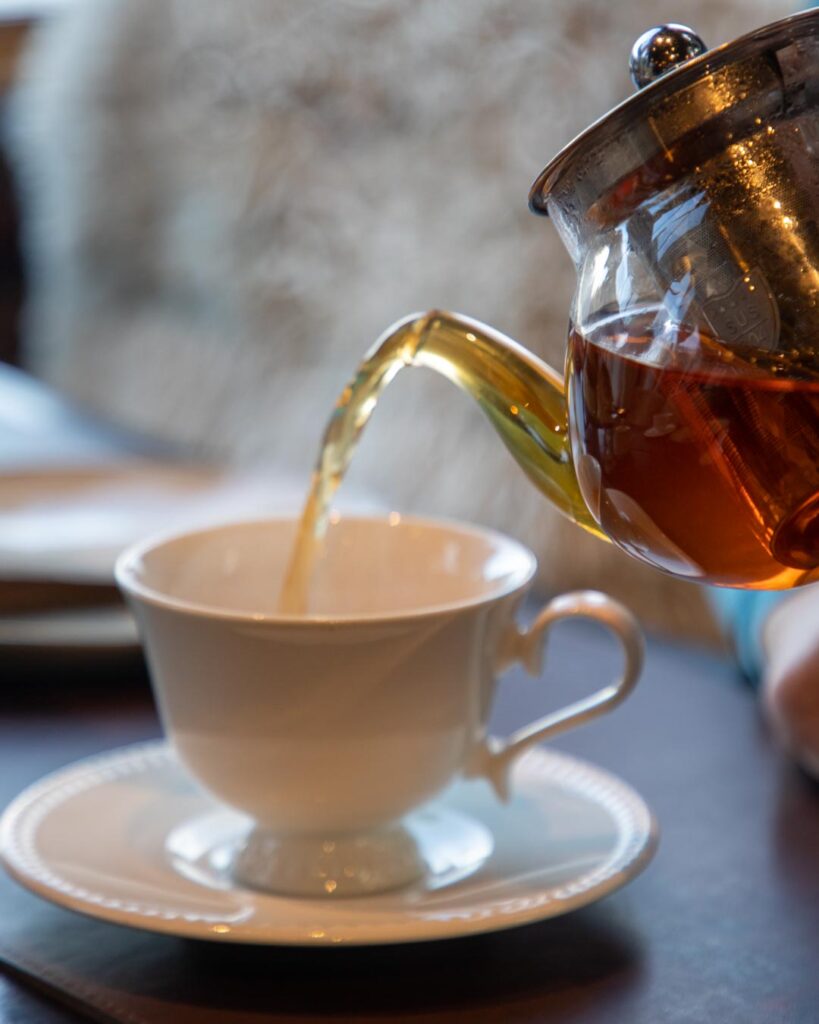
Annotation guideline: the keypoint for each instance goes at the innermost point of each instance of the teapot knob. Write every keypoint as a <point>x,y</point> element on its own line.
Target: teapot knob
<point>660,49</point>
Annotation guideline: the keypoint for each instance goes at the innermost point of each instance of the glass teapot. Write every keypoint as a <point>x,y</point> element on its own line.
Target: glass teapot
<point>686,426</point>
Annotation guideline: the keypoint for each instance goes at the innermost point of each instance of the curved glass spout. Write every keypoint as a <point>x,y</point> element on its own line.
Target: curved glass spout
<point>523,398</point>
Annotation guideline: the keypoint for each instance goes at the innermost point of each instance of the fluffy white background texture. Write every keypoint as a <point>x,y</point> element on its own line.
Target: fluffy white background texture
<point>228,202</point>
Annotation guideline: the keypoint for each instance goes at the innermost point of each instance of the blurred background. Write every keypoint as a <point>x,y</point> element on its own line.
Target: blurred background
<point>209,210</point>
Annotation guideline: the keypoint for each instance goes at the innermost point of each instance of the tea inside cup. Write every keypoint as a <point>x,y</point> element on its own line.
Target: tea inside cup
<point>370,567</point>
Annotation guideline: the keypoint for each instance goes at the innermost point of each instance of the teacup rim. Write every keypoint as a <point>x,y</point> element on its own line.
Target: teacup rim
<point>131,586</point>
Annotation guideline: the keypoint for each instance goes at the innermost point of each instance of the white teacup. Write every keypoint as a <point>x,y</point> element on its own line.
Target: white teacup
<point>326,729</point>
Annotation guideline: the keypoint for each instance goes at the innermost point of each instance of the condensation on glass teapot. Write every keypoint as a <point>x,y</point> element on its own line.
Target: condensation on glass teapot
<point>707,180</point>
<point>692,214</point>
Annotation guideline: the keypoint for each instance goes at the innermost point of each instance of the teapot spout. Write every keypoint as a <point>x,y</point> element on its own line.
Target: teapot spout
<point>522,396</point>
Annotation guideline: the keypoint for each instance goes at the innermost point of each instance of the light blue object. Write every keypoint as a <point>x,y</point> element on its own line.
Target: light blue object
<point>742,613</point>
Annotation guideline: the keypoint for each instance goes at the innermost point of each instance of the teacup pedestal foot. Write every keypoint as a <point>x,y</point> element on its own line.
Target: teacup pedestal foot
<point>341,866</point>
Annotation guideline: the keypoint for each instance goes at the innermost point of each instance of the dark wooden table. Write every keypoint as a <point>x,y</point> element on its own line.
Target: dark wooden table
<point>722,927</point>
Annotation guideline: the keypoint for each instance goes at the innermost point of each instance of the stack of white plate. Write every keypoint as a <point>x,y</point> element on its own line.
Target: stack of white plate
<point>61,531</point>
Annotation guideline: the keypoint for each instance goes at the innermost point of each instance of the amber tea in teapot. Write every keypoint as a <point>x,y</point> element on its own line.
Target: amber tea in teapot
<point>686,426</point>
<point>705,464</point>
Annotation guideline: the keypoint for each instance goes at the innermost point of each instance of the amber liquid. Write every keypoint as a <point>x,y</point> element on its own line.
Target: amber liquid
<point>700,459</point>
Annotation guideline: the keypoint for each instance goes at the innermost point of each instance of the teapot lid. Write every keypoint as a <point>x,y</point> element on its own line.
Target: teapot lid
<point>691,102</point>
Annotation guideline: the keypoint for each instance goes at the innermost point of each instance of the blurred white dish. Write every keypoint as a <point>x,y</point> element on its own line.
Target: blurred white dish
<point>94,631</point>
<point>70,524</point>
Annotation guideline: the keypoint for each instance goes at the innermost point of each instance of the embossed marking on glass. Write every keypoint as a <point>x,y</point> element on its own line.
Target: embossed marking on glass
<point>687,428</point>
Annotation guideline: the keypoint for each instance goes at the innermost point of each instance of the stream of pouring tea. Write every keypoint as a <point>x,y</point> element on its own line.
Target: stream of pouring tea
<point>353,409</point>
<point>506,381</point>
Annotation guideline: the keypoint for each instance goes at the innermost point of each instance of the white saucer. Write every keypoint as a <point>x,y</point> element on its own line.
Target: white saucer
<point>128,838</point>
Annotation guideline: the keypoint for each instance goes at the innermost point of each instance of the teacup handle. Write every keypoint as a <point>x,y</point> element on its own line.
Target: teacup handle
<point>494,758</point>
